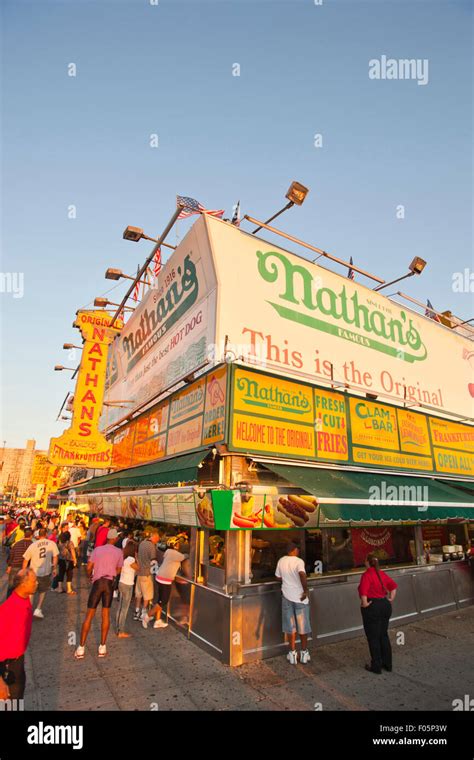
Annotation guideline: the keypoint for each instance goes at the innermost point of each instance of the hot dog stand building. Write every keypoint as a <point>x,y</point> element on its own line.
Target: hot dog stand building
<point>269,399</point>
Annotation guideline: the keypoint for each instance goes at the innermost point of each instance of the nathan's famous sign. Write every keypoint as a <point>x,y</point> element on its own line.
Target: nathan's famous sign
<point>281,311</point>
<point>295,420</point>
<point>170,334</point>
<point>82,443</point>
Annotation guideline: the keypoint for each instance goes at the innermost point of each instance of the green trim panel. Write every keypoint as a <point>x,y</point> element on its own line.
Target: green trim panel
<point>423,496</point>
<point>182,469</point>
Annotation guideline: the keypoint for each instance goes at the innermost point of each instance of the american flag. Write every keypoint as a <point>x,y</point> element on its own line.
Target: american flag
<point>136,291</point>
<point>429,311</point>
<point>236,215</point>
<point>157,263</point>
<point>192,206</point>
<point>350,272</point>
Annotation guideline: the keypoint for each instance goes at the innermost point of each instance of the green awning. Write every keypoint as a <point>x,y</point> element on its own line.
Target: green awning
<point>364,496</point>
<point>169,472</point>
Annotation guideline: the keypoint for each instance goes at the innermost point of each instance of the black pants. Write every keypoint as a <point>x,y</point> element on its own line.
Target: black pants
<point>66,567</point>
<point>376,618</point>
<point>13,672</point>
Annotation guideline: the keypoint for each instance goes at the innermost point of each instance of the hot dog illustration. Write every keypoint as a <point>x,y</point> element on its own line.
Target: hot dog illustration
<point>297,514</point>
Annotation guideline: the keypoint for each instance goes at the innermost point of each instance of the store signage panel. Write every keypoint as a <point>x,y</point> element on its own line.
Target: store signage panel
<point>413,432</point>
<point>215,407</point>
<point>82,443</point>
<point>234,510</point>
<point>351,430</point>
<point>193,417</point>
<point>331,425</point>
<point>449,435</point>
<point>170,334</point>
<point>305,321</point>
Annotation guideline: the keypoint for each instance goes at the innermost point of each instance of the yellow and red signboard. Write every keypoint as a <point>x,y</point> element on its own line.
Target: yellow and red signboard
<point>82,443</point>
<point>190,418</point>
<point>284,419</point>
<point>331,425</point>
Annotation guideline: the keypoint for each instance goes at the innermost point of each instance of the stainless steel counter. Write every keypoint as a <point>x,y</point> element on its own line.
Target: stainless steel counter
<point>246,625</point>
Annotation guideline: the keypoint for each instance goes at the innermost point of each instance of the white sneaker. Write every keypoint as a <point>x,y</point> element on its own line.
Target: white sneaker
<point>143,613</point>
<point>145,620</point>
<point>304,656</point>
<point>102,650</point>
<point>115,594</point>
<point>292,657</point>
<point>38,614</point>
<point>79,653</point>
<point>160,624</point>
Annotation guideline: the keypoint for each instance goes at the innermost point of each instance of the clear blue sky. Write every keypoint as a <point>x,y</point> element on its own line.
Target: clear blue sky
<point>167,69</point>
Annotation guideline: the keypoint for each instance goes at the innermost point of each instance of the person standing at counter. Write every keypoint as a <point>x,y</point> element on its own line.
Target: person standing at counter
<point>167,572</point>
<point>377,592</point>
<point>290,571</point>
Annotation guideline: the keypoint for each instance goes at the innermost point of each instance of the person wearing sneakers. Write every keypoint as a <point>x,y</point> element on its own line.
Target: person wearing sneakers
<point>144,585</point>
<point>42,557</point>
<point>290,571</point>
<point>105,563</point>
<point>126,581</point>
<point>168,569</point>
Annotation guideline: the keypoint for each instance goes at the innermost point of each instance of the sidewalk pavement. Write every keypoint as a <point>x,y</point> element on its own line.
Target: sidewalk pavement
<point>162,670</point>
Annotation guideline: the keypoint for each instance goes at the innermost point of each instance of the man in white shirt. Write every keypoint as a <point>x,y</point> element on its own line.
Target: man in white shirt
<point>42,556</point>
<point>290,571</point>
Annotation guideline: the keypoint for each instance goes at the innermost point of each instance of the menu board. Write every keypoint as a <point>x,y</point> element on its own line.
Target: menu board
<point>330,412</point>
<point>186,509</point>
<point>297,421</point>
<point>189,419</point>
<point>453,447</point>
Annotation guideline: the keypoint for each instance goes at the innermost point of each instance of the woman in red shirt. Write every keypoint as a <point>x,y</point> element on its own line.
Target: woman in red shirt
<point>377,591</point>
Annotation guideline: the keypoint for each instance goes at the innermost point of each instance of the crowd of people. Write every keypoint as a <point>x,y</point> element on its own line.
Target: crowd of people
<point>125,561</point>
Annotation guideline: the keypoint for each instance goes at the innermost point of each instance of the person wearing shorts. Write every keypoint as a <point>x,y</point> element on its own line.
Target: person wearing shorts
<point>144,584</point>
<point>104,564</point>
<point>290,571</point>
<point>42,557</point>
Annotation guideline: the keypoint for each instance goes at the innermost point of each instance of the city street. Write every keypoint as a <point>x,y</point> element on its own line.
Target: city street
<point>162,670</point>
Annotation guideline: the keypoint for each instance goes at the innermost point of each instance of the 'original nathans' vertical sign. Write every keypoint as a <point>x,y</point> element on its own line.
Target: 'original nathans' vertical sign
<point>82,443</point>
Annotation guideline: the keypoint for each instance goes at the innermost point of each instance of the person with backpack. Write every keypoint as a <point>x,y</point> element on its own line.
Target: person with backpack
<point>377,592</point>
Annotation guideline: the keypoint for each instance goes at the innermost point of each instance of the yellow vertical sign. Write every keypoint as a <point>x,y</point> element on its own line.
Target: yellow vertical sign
<point>82,443</point>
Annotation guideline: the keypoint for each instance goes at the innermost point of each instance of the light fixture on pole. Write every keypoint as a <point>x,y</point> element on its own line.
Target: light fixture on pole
<point>59,367</point>
<point>136,233</point>
<point>68,346</point>
<point>296,194</point>
<point>116,274</point>
<point>102,303</point>
<point>416,267</point>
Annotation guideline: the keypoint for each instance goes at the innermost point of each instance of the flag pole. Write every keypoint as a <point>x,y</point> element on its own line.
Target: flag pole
<point>143,269</point>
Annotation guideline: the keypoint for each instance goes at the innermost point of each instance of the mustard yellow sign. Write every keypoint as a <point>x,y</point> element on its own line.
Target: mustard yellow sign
<point>82,443</point>
<point>455,462</point>
<point>390,459</point>
<point>451,435</point>
<point>413,430</point>
<point>374,424</point>
<point>272,397</point>
<point>330,411</point>
<point>250,433</point>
